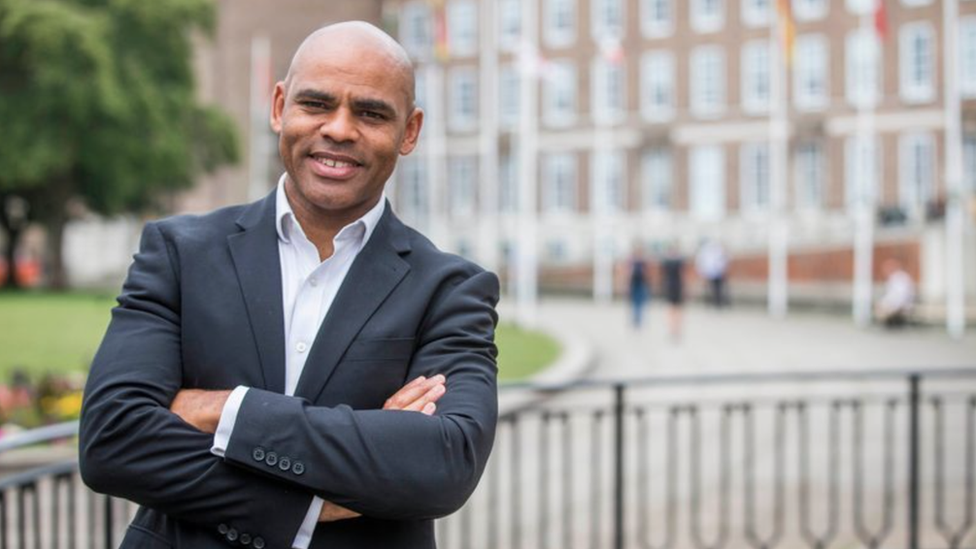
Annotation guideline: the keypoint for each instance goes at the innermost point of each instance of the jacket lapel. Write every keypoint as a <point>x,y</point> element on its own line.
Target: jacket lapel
<point>255,253</point>
<point>376,271</point>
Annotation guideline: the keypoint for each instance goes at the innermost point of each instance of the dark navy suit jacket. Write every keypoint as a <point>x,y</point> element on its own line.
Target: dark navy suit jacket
<point>202,308</point>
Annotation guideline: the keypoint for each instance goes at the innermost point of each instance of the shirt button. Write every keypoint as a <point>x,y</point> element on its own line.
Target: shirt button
<point>301,347</point>
<point>313,281</point>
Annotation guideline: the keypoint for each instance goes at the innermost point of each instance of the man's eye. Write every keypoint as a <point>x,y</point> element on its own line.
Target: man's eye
<point>374,115</point>
<point>314,104</point>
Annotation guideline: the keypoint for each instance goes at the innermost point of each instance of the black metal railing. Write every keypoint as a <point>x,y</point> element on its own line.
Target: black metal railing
<point>781,460</point>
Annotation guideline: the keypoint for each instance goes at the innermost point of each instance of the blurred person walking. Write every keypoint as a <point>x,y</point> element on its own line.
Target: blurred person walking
<point>640,289</point>
<point>712,265</point>
<point>898,299</point>
<point>672,287</point>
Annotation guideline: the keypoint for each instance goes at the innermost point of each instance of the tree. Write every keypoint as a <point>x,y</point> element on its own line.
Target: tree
<point>97,105</point>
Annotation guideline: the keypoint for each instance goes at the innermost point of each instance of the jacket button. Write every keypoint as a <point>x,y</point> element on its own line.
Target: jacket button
<point>284,463</point>
<point>271,459</point>
<point>232,535</point>
<point>258,454</point>
<point>258,543</point>
<point>298,468</point>
<point>223,529</point>
<point>245,539</point>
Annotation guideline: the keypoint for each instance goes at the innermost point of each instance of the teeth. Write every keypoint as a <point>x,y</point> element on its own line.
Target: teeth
<point>335,163</point>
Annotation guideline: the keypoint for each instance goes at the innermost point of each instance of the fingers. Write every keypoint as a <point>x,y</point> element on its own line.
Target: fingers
<point>415,395</point>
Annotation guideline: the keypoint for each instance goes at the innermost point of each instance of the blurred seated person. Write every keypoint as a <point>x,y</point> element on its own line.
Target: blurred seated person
<point>898,299</point>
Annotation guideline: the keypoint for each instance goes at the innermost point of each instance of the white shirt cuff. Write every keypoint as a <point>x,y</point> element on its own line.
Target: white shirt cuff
<point>304,536</point>
<point>228,417</point>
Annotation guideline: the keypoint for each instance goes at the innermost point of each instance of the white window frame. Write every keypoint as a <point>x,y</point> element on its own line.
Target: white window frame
<point>560,183</point>
<point>706,176</point>
<point>754,67</point>
<point>754,178</point>
<point>603,29</point>
<point>509,24</point>
<point>462,28</point>
<point>657,71</point>
<point>607,108</point>
<point>755,15</point>
<point>458,119</point>
<point>916,183</point>
<point>810,10</point>
<point>915,91</point>
<point>809,174</point>
<point>657,179</point>
<point>412,194</point>
<point>855,67</point>
<point>702,104</point>
<point>703,21</point>
<point>808,68</point>
<point>609,170</point>
<point>416,16</point>
<point>462,176</point>
<point>657,27</point>
<point>915,3</point>
<point>560,80</point>
<point>508,184</point>
<point>555,37</point>
<point>967,56</point>
<point>858,159</point>
<point>860,7</point>
<point>508,96</point>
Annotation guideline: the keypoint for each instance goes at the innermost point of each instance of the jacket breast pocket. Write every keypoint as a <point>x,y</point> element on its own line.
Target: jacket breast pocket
<point>393,349</point>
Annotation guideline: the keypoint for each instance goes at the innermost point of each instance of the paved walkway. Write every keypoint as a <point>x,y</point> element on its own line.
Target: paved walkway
<point>745,339</point>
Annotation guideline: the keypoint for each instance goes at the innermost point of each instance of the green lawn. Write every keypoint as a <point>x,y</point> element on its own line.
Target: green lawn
<point>45,332</point>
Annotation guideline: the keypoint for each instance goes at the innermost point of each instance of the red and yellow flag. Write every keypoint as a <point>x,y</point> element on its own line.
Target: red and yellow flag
<point>787,30</point>
<point>880,19</point>
<point>440,30</point>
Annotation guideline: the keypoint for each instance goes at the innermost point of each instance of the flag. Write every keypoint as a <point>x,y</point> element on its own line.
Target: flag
<point>787,30</point>
<point>440,31</point>
<point>880,19</point>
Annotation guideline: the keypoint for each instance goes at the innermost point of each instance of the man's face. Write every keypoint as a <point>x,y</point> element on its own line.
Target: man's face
<point>342,119</point>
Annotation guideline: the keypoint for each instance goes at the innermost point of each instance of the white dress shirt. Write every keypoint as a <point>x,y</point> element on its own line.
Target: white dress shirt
<point>308,288</point>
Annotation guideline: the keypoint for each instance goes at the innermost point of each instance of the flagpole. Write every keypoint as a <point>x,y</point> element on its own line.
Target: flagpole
<point>864,195</point>
<point>955,213</point>
<point>526,245</point>
<point>599,194</point>
<point>488,138</point>
<point>777,287</point>
<point>259,143</point>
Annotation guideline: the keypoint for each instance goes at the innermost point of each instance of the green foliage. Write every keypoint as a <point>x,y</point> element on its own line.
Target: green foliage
<point>522,353</point>
<point>98,96</point>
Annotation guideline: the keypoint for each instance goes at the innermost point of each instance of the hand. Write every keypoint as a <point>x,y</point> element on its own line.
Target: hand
<point>419,395</point>
<point>331,512</point>
<point>199,408</point>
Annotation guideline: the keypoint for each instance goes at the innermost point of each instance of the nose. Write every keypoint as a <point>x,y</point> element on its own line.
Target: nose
<point>340,126</point>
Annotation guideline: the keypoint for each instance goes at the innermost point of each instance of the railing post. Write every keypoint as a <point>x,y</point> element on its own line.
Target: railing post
<point>109,523</point>
<point>914,390</point>
<point>618,467</point>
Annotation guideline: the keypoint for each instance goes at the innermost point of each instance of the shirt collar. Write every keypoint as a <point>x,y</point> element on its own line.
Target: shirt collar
<point>286,222</point>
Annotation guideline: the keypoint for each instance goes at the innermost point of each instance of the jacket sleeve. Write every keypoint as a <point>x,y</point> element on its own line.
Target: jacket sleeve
<point>133,447</point>
<point>392,464</point>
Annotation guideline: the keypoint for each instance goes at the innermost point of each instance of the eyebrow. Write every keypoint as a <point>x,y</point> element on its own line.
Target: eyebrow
<point>366,104</point>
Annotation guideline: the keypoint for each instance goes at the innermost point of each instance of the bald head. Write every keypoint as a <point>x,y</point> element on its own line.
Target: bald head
<point>357,36</point>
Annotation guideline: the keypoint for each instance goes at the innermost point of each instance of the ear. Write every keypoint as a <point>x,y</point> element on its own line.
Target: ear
<point>277,106</point>
<point>412,132</point>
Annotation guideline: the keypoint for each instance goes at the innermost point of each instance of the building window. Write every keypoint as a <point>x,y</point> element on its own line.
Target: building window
<point>657,18</point>
<point>862,171</point>
<point>420,89</point>
<point>756,13</point>
<point>556,250</point>
<point>810,10</point>
<point>706,166</point>
<point>755,76</point>
<point>809,175</point>
<point>507,184</point>
<point>609,182</point>
<point>967,56</point>
<point>462,28</point>
<point>861,7</point>
<point>559,28</point>
<point>657,177</point>
<point>559,183</point>
<point>707,15</point>
<point>913,3</point>
<point>463,184</point>
<point>607,19</point>
<point>415,29</point>
<point>810,72</point>
<point>707,81</point>
<point>508,96</point>
<point>509,24</point>
<point>609,101</point>
<point>917,172</point>
<point>412,193</point>
<point>657,85</point>
<point>754,177</point>
<point>559,94</point>
<point>463,114</point>
<point>863,70</point>
<point>916,53</point>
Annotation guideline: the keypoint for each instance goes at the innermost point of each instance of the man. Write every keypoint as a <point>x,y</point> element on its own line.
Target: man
<point>895,306</point>
<point>304,371</point>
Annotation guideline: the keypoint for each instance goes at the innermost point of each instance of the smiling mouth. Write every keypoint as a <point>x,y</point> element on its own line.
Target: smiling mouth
<point>333,163</point>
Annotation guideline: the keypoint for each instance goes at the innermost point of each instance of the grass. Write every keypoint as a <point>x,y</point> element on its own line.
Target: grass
<point>58,333</point>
